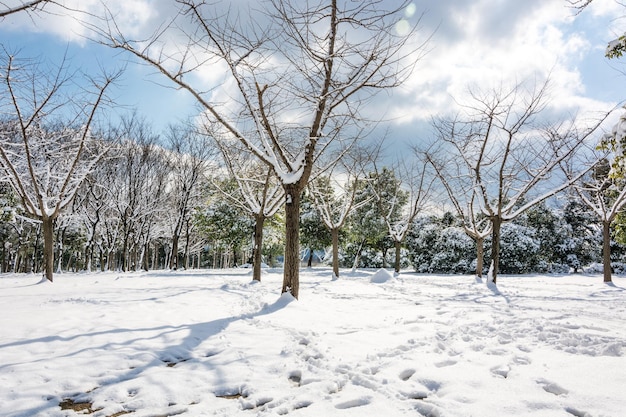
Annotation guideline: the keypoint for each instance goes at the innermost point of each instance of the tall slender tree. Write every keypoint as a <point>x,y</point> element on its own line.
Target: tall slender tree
<point>258,193</point>
<point>603,189</point>
<point>192,155</point>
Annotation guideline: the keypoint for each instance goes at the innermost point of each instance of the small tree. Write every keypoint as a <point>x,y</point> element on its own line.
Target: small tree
<point>46,160</point>
<point>334,195</point>
<point>603,190</point>
<point>258,193</point>
<point>380,201</point>
<point>192,155</point>
<point>412,192</point>
<point>463,195</point>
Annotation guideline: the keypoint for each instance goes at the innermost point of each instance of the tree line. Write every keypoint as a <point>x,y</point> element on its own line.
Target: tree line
<point>290,134</point>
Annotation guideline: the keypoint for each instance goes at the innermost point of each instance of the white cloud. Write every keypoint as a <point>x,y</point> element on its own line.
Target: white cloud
<point>67,22</point>
<point>488,43</point>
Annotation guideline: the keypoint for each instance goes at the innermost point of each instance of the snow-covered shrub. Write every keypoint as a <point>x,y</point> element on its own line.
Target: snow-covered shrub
<point>619,268</point>
<point>437,249</point>
<point>518,249</point>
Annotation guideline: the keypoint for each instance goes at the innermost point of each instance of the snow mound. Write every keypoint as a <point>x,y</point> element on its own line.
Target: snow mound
<point>283,301</point>
<point>381,276</point>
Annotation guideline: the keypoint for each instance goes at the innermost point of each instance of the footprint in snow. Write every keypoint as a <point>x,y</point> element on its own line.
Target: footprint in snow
<point>577,413</point>
<point>357,402</point>
<point>295,377</point>
<point>445,363</point>
<point>502,371</point>
<point>552,387</point>
<point>406,374</point>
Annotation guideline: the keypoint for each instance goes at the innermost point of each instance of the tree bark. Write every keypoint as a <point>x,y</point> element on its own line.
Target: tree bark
<point>146,257</point>
<point>257,251</point>
<point>291,277</point>
<point>174,253</point>
<point>496,222</point>
<point>334,232</point>
<point>606,250</point>
<point>480,255</point>
<point>357,257</point>
<point>47,225</point>
<point>398,245</point>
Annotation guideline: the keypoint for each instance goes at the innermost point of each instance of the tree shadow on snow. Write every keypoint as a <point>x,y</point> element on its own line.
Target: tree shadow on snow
<point>169,356</point>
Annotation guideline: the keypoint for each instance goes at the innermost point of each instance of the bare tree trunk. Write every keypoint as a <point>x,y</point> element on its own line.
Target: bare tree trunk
<point>291,278</point>
<point>186,251</point>
<point>384,251</point>
<point>480,255</point>
<point>334,232</point>
<point>102,265</point>
<point>257,251</point>
<point>309,262</point>
<point>357,257</point>
<point>606,250</point>
<point>47,225</point>
<point>398,245</point>
<point>146,257</point>
<point>496,222</point>
<point>174,253</point>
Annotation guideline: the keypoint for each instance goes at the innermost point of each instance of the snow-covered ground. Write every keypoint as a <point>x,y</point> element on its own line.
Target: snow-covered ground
<point>205,343</point>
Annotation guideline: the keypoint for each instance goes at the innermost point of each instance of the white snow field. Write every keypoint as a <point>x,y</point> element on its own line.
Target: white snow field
<point>213,343</point>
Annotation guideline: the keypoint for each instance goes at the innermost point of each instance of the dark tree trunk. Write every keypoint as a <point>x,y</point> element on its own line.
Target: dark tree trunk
<point>384,251</point>
<point>102,265</point>
<point>480,255</point>
<point>124,260</point>
<point>496,222</point>
<point>146,257</point>
<point>257,251</point>
<point>47,225</point>
<point>291,277</point>
<point>398,246</point>
<point>335,238</point>
<point>174,253</point>
<point>606,250</point>
<point>309,262</point>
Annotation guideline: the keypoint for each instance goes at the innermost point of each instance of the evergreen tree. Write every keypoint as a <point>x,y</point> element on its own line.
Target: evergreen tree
<point>378,197</point>
<point>314,234</point>
<point>225,224</point>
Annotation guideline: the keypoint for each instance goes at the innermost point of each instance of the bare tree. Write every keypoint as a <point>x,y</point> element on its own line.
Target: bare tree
<point>461,192</point>
<point>296,75</point>
<point>44,160</point>
<point>259,193</point>
<point>334,195</point>
<point>415,184</point>
<point>603,189</point>
<point>143,170</point>
<point>192,156</point>
<point>508,155</point>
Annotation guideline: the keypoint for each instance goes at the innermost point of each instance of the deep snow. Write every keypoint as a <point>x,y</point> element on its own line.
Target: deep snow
<point>205,343</point>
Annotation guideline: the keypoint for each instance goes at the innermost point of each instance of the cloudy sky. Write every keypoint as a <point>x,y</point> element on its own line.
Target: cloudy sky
<point>474,42</point>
